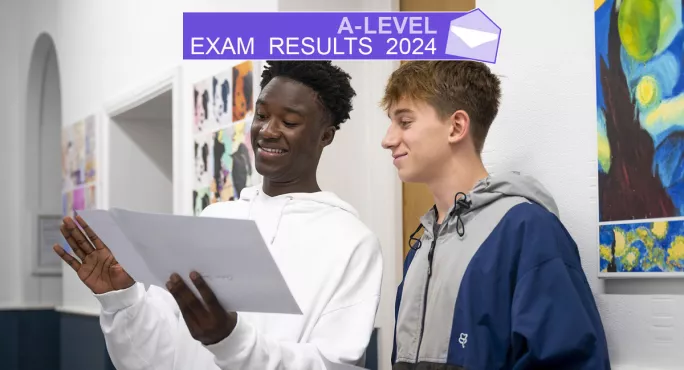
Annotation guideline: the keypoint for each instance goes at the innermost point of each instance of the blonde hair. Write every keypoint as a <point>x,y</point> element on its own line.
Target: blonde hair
<point>449,86</point>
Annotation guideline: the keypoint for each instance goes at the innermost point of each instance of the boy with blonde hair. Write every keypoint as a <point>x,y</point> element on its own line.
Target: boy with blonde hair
<point>495,281</point>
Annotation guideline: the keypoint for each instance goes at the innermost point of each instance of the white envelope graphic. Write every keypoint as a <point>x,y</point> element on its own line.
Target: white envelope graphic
<point>473,38</point>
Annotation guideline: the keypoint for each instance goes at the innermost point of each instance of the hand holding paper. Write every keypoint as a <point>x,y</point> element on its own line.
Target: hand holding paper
<point>101,273</point>
<point>230,255</point>
<point>208,324</point>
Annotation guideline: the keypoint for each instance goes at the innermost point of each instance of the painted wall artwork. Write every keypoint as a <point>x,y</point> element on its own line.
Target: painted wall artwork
<point>224,159</point>
<point>79,166</point>
<point>243,90</point>
<point>640,114</point>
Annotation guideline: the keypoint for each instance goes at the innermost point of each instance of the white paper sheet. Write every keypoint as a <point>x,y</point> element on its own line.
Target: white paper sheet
<point>230,254</point>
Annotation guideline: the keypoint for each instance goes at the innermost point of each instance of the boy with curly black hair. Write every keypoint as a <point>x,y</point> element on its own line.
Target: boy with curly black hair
<point>330,260</point>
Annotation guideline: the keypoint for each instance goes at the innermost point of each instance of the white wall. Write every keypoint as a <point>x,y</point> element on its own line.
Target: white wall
<point>12,92</point>
<point>547,127</point>
<point>49,140</point>
<point>21,199</point>
<point>138,156</point>
<point>140,165</point>
<point>45,290</point>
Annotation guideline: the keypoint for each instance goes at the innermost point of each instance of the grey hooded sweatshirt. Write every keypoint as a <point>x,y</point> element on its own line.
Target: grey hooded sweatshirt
<point>498,285</point>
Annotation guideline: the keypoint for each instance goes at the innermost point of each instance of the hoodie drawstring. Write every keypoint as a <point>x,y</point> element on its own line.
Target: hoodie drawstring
<point>415,243</point>
<point>280,214</point>
<point>280,217</point>
<point>462,205</point>
<point>251,203</point>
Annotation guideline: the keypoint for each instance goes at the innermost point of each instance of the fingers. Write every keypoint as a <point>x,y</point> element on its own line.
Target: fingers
<point>81,243</point>
<point>66,257</point>
<point>97,242</point>
<point>190,306</point>
<point>72,242</point>
<point>207,294</point>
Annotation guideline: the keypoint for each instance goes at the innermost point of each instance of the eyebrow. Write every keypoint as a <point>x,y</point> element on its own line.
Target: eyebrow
<point>289,109</point>
<point>399,111</point>
<point>293,111</point>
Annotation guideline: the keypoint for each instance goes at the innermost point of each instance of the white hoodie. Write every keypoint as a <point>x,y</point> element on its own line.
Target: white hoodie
<point>332,263</point>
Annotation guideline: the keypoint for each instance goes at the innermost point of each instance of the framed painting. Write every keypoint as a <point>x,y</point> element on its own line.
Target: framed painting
<point>640,115</point>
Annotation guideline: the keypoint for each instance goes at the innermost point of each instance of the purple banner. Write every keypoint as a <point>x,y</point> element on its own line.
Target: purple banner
<point>341,36</point>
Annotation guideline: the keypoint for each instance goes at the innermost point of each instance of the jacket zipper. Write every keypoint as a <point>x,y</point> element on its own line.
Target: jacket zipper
<point>431,255</point>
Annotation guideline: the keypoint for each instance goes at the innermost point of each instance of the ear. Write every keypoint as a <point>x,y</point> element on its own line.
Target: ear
<point>328,135</point>
<point>459,126</point>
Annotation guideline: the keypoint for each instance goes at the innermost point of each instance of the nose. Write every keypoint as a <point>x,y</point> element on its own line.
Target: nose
<point>391,139</point>
<point>269,130</point>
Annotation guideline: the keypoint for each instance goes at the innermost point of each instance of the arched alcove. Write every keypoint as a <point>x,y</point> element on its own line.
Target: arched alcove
<point>42,172</point>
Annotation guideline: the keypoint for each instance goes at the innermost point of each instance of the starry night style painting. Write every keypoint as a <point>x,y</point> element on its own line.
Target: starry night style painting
<point>640,114</point>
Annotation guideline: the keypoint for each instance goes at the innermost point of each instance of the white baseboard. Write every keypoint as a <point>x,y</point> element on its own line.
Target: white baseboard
<point>637,367</point>
<point>85,311</point>
<point>24,307</point>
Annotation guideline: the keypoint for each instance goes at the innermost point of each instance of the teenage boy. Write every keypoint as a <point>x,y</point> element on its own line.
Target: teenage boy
<point>331,261</point>
<point>495,281</point>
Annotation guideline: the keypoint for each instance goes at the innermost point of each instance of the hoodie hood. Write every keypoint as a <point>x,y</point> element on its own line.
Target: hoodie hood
<point>273,209</point>
<point>511,184</point>
<point>321,198</point>
<point>486,192</point>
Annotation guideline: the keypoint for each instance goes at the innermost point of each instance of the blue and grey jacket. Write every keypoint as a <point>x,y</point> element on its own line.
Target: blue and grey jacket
<point>498,285</point>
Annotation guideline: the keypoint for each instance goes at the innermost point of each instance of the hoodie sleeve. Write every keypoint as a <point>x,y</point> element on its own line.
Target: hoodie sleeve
<point>555,320</point>
<point>341,334</point>
<point>143,329</point>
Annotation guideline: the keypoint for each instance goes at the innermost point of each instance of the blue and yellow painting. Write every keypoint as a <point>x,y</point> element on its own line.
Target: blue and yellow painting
<point>640,114</point>
<point>642,247</point>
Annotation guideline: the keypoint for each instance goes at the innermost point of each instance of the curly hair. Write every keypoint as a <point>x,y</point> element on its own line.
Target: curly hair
<point>331,84</point>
